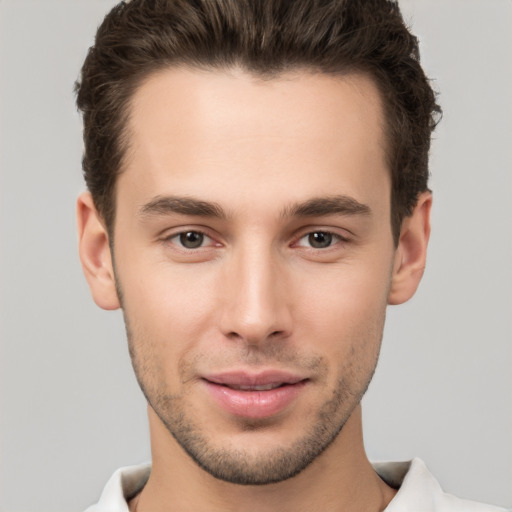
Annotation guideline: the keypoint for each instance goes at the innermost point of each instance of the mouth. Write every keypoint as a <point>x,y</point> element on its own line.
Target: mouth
<point>255,395</point>
<point>263,387</point>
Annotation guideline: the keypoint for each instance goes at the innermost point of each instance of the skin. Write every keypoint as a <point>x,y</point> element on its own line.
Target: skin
<point>258,292</point>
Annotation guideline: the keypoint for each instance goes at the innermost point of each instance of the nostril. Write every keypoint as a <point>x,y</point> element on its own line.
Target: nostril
<point>236,336</point>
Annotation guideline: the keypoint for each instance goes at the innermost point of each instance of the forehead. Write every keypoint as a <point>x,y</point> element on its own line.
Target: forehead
<point>191,130</point>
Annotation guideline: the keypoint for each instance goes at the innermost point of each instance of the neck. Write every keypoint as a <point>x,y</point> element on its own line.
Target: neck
<point>339,479</point>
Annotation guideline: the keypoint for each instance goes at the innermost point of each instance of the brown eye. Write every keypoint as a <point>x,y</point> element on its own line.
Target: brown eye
<point>320,239</point>
<point>191,239</point>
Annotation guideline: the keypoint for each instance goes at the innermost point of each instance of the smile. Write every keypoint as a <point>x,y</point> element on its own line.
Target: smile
<point>264,387</point>
<point>254,396</point>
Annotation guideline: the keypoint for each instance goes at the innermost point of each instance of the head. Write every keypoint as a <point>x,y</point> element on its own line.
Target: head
<point>258,179</point>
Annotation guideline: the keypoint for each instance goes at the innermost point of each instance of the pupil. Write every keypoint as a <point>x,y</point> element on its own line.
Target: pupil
<point>320,240</point>
<point>191,239</point>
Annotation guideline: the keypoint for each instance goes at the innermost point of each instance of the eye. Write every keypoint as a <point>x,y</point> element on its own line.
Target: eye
<point>191,239</point>
<point>319,240</point>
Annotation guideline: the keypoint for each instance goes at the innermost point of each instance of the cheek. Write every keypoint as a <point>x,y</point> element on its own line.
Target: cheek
<point>166,293</point>
<point>344,310</point>
<point>165,311</point>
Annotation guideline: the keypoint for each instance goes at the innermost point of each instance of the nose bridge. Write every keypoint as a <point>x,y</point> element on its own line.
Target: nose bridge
<point>256,307</point>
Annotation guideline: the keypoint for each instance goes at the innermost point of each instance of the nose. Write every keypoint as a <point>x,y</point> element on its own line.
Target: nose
<point>256,297</point>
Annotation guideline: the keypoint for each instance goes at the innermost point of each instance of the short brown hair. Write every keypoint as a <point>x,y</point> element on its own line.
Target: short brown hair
<point>264,37</point>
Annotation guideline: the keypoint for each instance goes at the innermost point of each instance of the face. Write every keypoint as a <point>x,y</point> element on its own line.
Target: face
<point>253,255</point>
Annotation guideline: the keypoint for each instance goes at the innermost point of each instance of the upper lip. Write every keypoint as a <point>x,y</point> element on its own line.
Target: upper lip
<point>262,378</point>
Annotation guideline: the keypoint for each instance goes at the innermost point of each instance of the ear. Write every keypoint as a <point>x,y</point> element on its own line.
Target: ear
<point>411,253</point>
<point>94,250</point>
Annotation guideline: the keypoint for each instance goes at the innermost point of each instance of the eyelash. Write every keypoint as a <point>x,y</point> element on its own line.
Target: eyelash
<point>331,237</point>
<point>179,239</point>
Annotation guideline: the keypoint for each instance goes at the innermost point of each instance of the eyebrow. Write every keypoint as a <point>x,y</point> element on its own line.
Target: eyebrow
<point>315,207</point>
<point>330,205</point>
<point>169,205</point>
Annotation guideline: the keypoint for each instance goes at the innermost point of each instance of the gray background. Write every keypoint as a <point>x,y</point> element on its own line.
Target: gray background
<point>71,411</point>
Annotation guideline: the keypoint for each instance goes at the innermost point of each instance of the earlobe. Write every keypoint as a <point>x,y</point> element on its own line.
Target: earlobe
<point>410,255</point>
<point>94,250</point>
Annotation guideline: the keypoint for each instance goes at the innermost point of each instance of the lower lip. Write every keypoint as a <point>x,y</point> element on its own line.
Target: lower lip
<point>254,404</point>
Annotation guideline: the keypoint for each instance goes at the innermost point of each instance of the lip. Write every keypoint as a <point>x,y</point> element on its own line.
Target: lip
<point>262,378</point>
<point>254,403</point>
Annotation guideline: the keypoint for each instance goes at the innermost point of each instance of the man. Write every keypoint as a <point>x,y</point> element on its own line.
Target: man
<point>257,175</point>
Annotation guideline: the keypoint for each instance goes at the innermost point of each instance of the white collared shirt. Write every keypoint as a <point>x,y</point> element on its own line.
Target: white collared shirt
<point>418,490</point>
